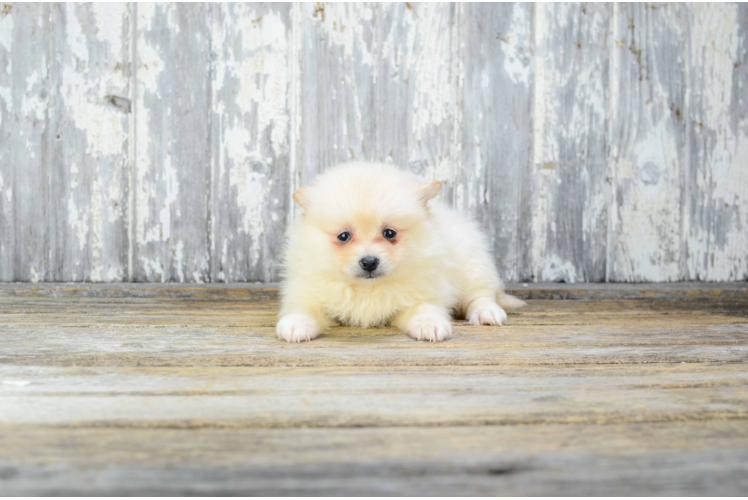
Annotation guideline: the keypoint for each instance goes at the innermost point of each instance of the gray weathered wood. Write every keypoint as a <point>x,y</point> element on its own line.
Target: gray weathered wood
<point>497,127</point>
<point>162,389</point>
<point>359,397</point>
<point>550,460</point>
<point>717,177</point>
<point>258,292</point>
<point>377,83</point>
<point>24,142</point>
<point>162,142</point>
<point>192,328</point>
<point>171,177</point>
<point>251,143</point>
<point>647,142</point>
<point>570,193</point>
<point>88,129</point>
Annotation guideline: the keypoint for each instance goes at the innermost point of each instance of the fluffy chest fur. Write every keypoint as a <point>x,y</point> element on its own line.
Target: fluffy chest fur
<point>375,305</point>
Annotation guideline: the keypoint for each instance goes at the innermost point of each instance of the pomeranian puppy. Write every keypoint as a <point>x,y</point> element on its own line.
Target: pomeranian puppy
<point>373,248</point>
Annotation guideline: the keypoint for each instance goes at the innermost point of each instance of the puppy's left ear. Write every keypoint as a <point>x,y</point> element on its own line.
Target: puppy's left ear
<point>429,189</point>
<point>301,196</point>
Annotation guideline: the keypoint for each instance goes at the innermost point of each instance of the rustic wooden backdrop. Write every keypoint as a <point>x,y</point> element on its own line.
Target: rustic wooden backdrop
<point>595,142</point>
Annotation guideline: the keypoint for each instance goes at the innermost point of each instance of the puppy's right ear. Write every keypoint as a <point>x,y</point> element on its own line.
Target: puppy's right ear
<point>429,189</point>
<point>301,196</point>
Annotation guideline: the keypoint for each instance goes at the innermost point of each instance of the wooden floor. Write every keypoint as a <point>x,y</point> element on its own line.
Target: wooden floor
<point>150,390</point>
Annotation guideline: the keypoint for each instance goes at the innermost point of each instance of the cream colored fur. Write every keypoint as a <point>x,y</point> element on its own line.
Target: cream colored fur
<point>437,265</point>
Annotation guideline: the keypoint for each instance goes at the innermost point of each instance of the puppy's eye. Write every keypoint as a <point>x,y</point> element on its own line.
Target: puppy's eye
<point>344,236</point>
<point>389,234</point>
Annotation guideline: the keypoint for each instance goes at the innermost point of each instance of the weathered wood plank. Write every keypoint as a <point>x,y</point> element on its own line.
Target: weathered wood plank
<point>737,291</point>
<point>570,191</point>
<point>172,176</point>
<point>442,89</point>
<point>656,459</point>
<point>24,142</point>
<point>251,140</point>
<point>717,179</point>
<point>185,349</point>
<point>647,142</point>
<point>89,114</point>
<point>497,126</point>
<point>385,397</point>
<point>92,446</point>
<point>151,332</point>
<point>573,397</point>
<point>377,83</point>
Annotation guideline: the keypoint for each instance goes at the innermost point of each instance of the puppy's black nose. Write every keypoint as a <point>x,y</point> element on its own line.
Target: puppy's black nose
<point>369,263</point>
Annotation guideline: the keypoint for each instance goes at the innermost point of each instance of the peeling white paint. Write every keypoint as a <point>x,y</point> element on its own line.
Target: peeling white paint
<point>344,25</point>
<point>257,91</point>
<point>36,275</point>
<point>78,221</point>
<point>97,229</point>
<point>76,40</point>
<point>150,67</point>
<point>263,77</point>
<point>179,260</point>
<point>6,42</point>
<point>648,237</point>
<point>108,19</point>
<point>646,221</point>
<point>171,184</point>
<point>249,186</point>
<point>517,56</point>
<point>103,125</point>
<point>569,113</point>
<point>34,102</point>
<point>557,270</point>
<point>719,237</point>
<point>6,94</point>
<point>542,177</point>
<point>6,32</point>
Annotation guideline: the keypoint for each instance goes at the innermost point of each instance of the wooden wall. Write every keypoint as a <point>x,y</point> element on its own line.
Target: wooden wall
<point>595,142</point>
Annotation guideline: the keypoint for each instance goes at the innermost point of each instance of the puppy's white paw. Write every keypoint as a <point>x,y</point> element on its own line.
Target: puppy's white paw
<point>486,312</point>
<point>431,327</point>
<point>297,328</point>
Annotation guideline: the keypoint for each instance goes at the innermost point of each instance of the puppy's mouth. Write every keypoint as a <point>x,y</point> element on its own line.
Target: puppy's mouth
<point>369,275</point>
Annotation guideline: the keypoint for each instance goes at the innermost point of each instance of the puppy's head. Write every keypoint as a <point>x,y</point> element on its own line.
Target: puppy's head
<point>365,222</point>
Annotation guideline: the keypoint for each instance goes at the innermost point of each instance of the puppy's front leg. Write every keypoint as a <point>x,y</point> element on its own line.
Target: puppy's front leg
<point>301,325</point>
<point>425,322</point>
<point>485,311</point>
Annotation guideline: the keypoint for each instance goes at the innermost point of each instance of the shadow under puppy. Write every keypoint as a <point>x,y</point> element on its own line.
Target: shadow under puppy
<point>373,248</point>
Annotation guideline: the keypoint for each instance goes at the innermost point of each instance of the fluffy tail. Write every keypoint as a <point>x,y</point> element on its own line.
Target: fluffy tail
<point>509,302</point>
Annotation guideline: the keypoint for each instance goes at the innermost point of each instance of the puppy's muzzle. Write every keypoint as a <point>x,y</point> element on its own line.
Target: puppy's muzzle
<point>369,264</point>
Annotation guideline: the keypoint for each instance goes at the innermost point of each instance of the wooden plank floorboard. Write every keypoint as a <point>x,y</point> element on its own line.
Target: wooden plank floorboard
<point>136,390</point>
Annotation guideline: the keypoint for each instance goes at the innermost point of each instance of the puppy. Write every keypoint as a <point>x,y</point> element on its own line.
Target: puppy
<point>373,248</point>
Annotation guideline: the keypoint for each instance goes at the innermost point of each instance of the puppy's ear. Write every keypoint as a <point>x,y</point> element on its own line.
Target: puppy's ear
<point>301,196</point>
<point>429,189</point>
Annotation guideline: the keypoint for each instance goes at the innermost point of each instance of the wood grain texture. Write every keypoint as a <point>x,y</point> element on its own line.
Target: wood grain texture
<point>569,185</point>
<point>717,176</point>
<point>202,329</point>
<point>647,142</point>
<point>497,127</point>
<point>24,142</point>
<point>377,83</point>
<point>186,390</point>
<point>162,143</point>
<point>259,292</point>
<point>89,129</point>
<point>171,181</point>
<point>544,460</point>
<point>382,397</point>
<point>251,143</point>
